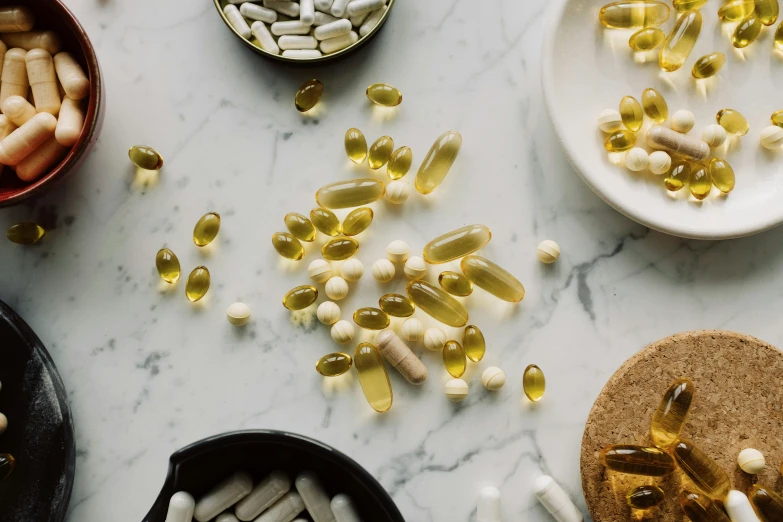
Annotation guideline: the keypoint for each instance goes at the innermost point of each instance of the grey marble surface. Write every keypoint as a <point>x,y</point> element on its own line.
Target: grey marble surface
<point>148,372</point>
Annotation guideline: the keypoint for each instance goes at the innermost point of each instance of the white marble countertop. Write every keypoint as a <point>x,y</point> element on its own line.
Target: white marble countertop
<point>147,372</point>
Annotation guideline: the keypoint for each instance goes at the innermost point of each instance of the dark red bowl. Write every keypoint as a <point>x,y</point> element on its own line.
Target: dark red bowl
<point>52,14</point>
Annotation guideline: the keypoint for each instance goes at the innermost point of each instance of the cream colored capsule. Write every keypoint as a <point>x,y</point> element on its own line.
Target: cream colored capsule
<point>238,314</point>
<point>237,21</point>
<point>771,137</point>
<point>493,378</point>
<point>49,41</point>
<point>456,390</point>
<point>27,138</point>
<point>14,19</point>
<point>371,21</point>
<point>434,339</point>
<point>41,160</point>
<point>13,80</point>
<point>671,141</point>
<point>265,39</point>
<point>70,122</point>
<point>332,45</point>
<point>18,110</point>
<point>71,76</point>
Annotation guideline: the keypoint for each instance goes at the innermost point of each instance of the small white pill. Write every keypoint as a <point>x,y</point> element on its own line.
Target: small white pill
<point>284,509</point>
<point>412,329</point>
<point>342,331</point>
<point>397,192</point>
<point>343,509</point>
<point>352,269</point>
<point>714,135</point>
<point>307,11</point>
<point>357,7</point>
<point>683,121</point>
<point>336,288</point>
<point>415,267</point>
<point>328,312</point>
<point>397,251</point>
<point>555,500</point>
<point>548,251</point>
<point>358,20</point>
<point>237,21</point>
<point>319,271</point>
<point>238,314</point>
<point>227,493</point>
<point>332,45</point>
<point>256,12</point>
<point>488,508</point>
<point>264,37</point>
<point>266,493</point>
<point>323,6</point>
<point>226,517</point>
<point>383,270</point>
<point>290,41</point>
<point>338,8</point>
<point>289,27</point>
<point>660,162</point>
<point>609,120</point>
<point>312,492</point>
<point>323,19</point>
<point>493,378</point>
<point>434,339</point>
<point>739,508</point>
<point>456,390</point>
<point>637,159</point>
<point>771,137</point>
<point>333,29</point>
<point>181,507</point>
<point>283,6</point>
<point>302,54</point>
<point>751,461</point>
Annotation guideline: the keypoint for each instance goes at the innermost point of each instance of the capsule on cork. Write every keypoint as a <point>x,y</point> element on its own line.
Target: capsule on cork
<point>70,122</point>
<point>15,19</point>
<point>18,110</point>
<point>24,140</point>
<point>71,76</point>
<point>663,138</point>
<point>43,81</point>
<point>49,41</point>
<point>41,160</point>
<point>401,357</point>
<point>13,81</point>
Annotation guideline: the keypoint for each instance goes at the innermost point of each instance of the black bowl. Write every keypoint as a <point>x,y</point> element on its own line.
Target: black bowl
<point>198,467</point>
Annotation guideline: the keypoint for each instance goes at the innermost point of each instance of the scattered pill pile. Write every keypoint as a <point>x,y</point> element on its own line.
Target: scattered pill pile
<point>304,29</point>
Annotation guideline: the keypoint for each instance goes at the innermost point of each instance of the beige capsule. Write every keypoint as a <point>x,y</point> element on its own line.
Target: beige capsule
<point>18,110</point>
<point>71,76</point>
<point>70,122</point>
<point>43,81</point>
<point>42,160</point>
<point>401,357</point>
<point>13,80</point>
<point>16,18</point>
<point>27,138</point>
<point>49,41</point>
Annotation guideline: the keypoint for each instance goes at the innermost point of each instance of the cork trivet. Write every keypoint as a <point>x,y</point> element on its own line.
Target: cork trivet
<point>738,403</point>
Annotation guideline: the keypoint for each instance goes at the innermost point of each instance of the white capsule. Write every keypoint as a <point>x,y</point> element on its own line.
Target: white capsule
<point>637,159</point>
<point>284,510</point>
<point>610,120</point>
<point>289,27</point>
<point>323,19</point>
<point>237,21</point>
<point>181,507</point>
<point>660,162</point>
<point>751,461</point>
<point>343,509</point>
<point>383,270</point>
<point>256,12</point>
<point>290,41</point>
<point>412,329</point>
<point>357,7</point>
<point>493,378</point>
<point>342,331</point>
<point>771,137</point>
<point>333,29</point>
<point>266,493</point>
<point>328,312</point>
<point>265,39</point>
<point>488,508</point>
<point>352,269</point>
<point>372,21</point>
<point>238,314</point>
<point>683,121</point>
<point>397,192</point>
<point>319,271</point>
<point>314,497</point>
<point>739,508</point>
<point>555,500</point>
<point>323,6</point>
<point>397,251</point>
<point>332,45</point>
<point>415,267</point>
<point>714,135</point>
<point>285,7</point>
<point>434,339</point>
<point>456,390</point>
<point>336,288</point>
<point>548,251</point>
<point>358,20</point>
<point>307,11</point>
<point>338,8</point>
<point>226,517</point>
<point>227,493</point>
<point>302,54</point>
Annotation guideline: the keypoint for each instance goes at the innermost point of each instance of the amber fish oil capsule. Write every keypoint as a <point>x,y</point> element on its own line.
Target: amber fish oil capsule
<point>768,504</point>
<point>371,318</point>
<point>300,297</point>
<point>334,364</point>
<point>722,175</point>
<point>688,5</point>
<point>7,463</point>
<point>206,229</point>
<point>631,14</point>
<point>168,265</point>
<point>678,176</point>
<point>373,377</point>
<point>485,274</point>
<point>288,246</point>
<point>145,157</point>
<point>438,161</point>
<point>396,305</point>
<point>308,95</point>
<point>644,497</point>
<point>454,359</point>
<point>700,508</point>
<point>350,193</point>
<point>646,39</point>
<point>357,221</point>
<point>533,383</point>
<point>655,106</point>
<point>380,152</point>
<point>631,113</point>
<point>637,460</point>
<point>747,31</point>
<point>197,285</point>
<point>384,94</point>
<point>734,122</point>
<point>767,10</point>
<point>325,221</point>
<point>399,163</point>
<point>736,10</point>
<point>702,470</point>
<point>679,44</point>
<point>355,145</point>
<point>473,343</point>
<point>620,141</point>
<point>779,40</point>
<point>708,65</point>
<point>700,182</point>
<point>437,303</point>
<point>340,248</point>
<point>300,227</point>
<point>457,243</point>
<point>455,283</point>
<point>672,413</point>
<point>777,117</point>
<point>25,233</point>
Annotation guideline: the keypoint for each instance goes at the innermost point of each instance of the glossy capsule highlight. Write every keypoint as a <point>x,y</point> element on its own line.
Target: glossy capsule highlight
<point>167,265</point>
<point>779,40</point>
<point>646,39</point>
<point>357,221</point>
<point>678,176</point>
<point>300,297</point>
<point>325,221</point>
<point>631,14</point>
<point>455,283</point>
<point>437,303</point>
<point>533,383</point>
<point>491,277</point>
<point>371,318</point>
<point>25,233</point>
<point>688,5</point>
<point>767,11</point>
<point>355,145</point>
<point>708,476</point>
<point>373,377</point>
<point>767,503</point>
<point>680,41</point>
<point>339,248</point>
<point>399,163</point>
<point>700,181</point>
<point>300,227</point>
<point>631,113</point>
<point>473,343</point>
<point>722,175</point>
<point>454,359</point>
<point>7,463</point>
<point>672,413</point>
<point>145,157</point>
<point>708,65</point>
<point>747,31</point>
<point>654,105</point>
<point>637,460</point>
<point>334,364</point>
<point>384,94</point>
<point>397,305</point>
<point>206,229</point>
<point>736,10</point>
<point>197,285</point>
<point>700,508</point>
<point>644,497</point>
<point>734,122</point>
<point>380,152</point>
<point>620,140</point>
<point>350,193</point>
<point>308,95</point>
<point>288,246</point>
<point>777,116</point>
<point>438,162</point>
<point>457,243</point>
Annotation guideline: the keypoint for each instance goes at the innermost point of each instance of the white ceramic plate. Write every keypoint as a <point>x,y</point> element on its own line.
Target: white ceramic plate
<point>587,68</point>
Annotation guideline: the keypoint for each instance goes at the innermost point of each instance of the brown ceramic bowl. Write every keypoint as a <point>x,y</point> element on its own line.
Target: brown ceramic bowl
<point>52,14</point>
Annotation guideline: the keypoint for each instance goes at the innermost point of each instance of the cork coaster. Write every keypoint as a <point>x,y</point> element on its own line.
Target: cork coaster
<point>738,403</point>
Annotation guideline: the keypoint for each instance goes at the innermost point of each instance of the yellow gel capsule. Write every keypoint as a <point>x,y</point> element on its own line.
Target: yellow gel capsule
<point>688,5</point>
<point>355,145</point>
<point>384,94</point>
<point>734,122</point>
<point>7,463</point>
<point>637,460</point>
<point>699,508</point>
<point>494,279</point>
<point>747,31</point>
<point>631,14</point>
<point>620,140</point>
<point>350,193</point>
<point>454,359</point>
<point>722,175</point>
<point>631,113</point>
<point>655,106</point>
<point>474,343</point>
<point>678,176</point>
<point>300,297</point>
<point>325,221</point>
<point>736,10</point>
<point>198,284</point>
<point>25,233</point>
<point>533,383</point>
<point>308,95</point>
<point>339,248</point>
<point>300,227</point>
<point>334,364</point>
<point>646,39</point>
<point>779,39</point>
<point>168,265</point>
<point>371,318</point>
<point>145,157</point>
<point>438,161</point>
<point>708,65</point>
<point>644,497</point>
<point>399,163</point>
<point>288,246</point>
<point>702,470</point>
<point>457,243</point>
<point>380,152</point>
<point>777,116</point>
<point>768,504</point>
<point>373,377</point>
<point>206,229</point>
<point>437,303</point>
<point>396,305</point>
<point>700,181</point>
<point>455,283</point>
<point>671,414</point>
<point>679,44</point>
<point>357,221</point>
<point>767,11</point>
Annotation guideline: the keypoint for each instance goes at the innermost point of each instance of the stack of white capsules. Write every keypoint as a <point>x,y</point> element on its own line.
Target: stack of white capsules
<point>42,96</point>
<point>271,500</point>
<point>305,29</point>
